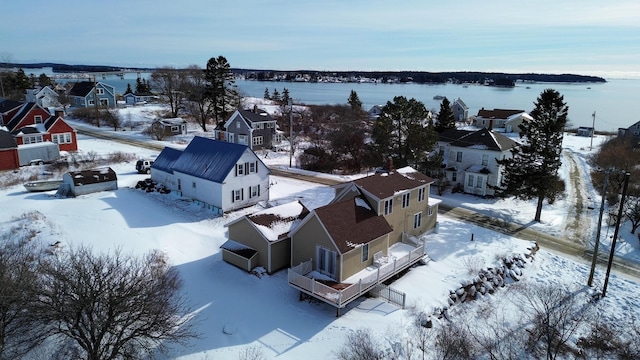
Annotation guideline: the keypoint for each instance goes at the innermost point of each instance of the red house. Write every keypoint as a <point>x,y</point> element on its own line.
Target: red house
<point>8,151</point>
<point>31,123</point>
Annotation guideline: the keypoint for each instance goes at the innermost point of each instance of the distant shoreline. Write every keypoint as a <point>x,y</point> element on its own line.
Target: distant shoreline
<point>420,77</point>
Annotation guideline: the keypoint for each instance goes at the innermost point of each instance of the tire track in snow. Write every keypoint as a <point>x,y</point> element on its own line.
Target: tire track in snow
<point>577,222</point>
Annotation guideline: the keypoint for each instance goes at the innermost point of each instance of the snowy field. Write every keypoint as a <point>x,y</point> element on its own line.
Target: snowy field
<point>265,314</point>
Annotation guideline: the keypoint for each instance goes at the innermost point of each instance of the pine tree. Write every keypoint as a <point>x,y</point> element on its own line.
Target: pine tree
<point>354,101</point>
<point>446,119</point>
<point>403,133</point>
<point>219,89</point>
<point>285,96</point>
<point>532,172</point>
<point>276,96</point>
<point>128,91</point>
<point>266,94</point>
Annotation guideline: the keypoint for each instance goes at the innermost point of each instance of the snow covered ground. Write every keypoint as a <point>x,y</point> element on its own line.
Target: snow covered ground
<point>265,314</point>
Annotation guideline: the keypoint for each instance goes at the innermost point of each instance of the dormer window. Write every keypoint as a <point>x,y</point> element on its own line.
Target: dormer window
<point>37,119</point>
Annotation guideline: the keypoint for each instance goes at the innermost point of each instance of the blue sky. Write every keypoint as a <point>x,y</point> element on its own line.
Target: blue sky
<point>568,36</point>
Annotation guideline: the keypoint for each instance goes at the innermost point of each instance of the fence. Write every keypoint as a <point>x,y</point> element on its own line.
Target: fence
<point>392,295</point>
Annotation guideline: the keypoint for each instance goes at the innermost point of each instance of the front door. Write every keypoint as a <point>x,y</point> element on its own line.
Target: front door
<point>326,261</point>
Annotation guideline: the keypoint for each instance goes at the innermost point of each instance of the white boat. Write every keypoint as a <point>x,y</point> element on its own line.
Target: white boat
<point>43,185</point>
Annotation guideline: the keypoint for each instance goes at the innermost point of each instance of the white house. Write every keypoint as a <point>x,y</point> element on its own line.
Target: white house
<point>470,158</point>
<point>46,97</point>
<point>223,176</point>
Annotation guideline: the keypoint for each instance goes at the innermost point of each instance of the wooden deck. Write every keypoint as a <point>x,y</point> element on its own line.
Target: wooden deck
<point>342,294</point>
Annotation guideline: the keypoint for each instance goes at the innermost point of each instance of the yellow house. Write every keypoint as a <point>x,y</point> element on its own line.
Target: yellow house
<point>368,234</point>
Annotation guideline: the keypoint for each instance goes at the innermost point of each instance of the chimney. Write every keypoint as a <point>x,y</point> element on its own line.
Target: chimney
<point>58,113</point>
<point>490,124</point>
<point>255,108</point>
<point>390,164</point>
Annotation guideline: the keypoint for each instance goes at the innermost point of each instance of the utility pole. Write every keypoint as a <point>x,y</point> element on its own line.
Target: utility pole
<point>290,132</point>
<point>593,130</point>
<point>95,100</point>
<point>595,247</point>
<point>615,233</point>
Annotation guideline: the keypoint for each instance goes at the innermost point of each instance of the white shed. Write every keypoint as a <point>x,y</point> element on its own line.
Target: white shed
<point>83,182</point>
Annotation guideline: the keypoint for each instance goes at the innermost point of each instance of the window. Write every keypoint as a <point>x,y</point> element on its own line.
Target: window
<point>91,102</point>
<point>430,210</point>
<point>237,125</point>
<point>254,191</point>
<point>236,195</point>
<point>365,252</point>
<point>470,181</point>
<point>32,139</point>
<point>104,102</point>
<point>480,182</point>
<point>100,91</point>
<point>459,156</point>
<point>243,139</point>
<point>64,138</point>
<point>388,206</point>
<point>326,261</point>
<point>454,176</point>
<point>417,220</point>
<point>421,193</point>
<point>239,169</point>
<point>37,119</point>
<point>193,184</point>
<point>175,129</point>
<point>253,167</point>
<point>257,140</point>
<point>405,199</point>
<point>452,155</point>
<point>485,160</point>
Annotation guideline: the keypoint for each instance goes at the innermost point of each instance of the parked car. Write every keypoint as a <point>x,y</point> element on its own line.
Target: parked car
<point>143,166</point>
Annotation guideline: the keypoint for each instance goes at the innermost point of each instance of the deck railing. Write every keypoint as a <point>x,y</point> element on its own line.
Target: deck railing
<point>298,277</point>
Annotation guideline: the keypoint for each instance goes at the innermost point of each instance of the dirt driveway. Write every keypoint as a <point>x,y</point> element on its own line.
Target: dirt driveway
<point>578,221</point>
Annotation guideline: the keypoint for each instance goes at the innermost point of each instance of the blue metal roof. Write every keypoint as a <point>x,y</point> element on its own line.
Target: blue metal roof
<point>209,159</point>
<point>166,159</point>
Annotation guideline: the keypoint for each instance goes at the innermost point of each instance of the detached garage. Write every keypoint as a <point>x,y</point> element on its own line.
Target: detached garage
<point>84,182</point>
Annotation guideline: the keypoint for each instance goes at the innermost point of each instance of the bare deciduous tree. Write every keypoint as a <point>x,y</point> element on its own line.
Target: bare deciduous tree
<point>19,330</point>
<point>170,82</point>
<point>360,346</point>
<point>555,314</point>
<point>113,305</point>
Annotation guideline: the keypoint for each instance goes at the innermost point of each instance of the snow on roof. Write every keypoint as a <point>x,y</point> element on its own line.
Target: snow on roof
<point>275,223</point>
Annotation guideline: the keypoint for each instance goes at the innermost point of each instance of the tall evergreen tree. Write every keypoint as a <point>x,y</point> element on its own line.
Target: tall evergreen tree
<point>403,132</point>
<point>219,89</point>
<point>275,96</point>
<point>128,91</point>
<point>354,101</point>
<point>285,96</point>
<point>532,172</point>
<point>266,94</point>
<point>446,119</point>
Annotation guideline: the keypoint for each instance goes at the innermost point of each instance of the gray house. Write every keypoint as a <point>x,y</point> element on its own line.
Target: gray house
<point>86,93</point>
<point>253,128</point>
<point>460,110</point>
<point>84,182</point>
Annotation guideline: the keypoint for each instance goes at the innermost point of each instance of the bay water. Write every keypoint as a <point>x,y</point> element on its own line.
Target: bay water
<point>609,101</point>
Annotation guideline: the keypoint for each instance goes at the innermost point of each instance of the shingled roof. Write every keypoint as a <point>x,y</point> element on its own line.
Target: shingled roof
<point>484,139</point>
<point>352,223</point>
<point>385,185</point>
<point>275,223</point>
<point>497,113</point>
<point>93,176</point>
<point>258,116</point>
<point>82,88</point>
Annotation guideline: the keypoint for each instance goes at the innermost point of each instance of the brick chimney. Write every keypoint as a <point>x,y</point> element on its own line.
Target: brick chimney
<point>58,113</point>
<point>390,164</point>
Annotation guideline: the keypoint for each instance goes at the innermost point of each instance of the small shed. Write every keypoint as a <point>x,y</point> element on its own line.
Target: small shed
<point>262,238</point>
<point>84,182</point>
<point>170,127</point>
<point>8,151</point>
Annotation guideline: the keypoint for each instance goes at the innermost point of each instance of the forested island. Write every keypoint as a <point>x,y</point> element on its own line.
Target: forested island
<point>419,77</point>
